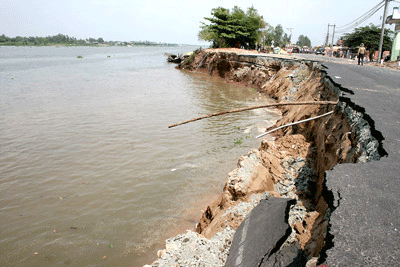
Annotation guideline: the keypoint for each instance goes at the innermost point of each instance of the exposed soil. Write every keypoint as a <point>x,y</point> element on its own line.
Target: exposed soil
<point>322,143</point>
<point>293,162</point>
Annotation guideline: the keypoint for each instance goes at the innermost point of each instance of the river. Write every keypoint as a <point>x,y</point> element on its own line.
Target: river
<point>90,174</point>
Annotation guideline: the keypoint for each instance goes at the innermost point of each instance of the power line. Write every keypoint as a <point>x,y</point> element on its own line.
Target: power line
<point>360,21</point>
<point>362,15</point>
<point>351,29</point>
<point>362,18</point>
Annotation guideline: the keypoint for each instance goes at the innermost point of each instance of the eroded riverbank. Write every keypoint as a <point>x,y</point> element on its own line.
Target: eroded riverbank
<point>291,164</point>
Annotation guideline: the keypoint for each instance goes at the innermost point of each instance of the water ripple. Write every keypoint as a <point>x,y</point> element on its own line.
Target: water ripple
<point>86,157</point>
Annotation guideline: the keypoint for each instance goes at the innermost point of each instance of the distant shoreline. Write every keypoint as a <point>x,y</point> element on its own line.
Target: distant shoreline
<point>65,40</point>
<point>90,45</point>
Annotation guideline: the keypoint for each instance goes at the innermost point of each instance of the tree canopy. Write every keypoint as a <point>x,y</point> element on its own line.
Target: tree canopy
<point>370,36</point>
<point>303,41</point>
<point>234,28</point>
<point>279,36</point>
<point>276,34</point>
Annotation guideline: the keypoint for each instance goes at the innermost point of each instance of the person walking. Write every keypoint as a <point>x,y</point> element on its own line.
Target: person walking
<point>361,53</point>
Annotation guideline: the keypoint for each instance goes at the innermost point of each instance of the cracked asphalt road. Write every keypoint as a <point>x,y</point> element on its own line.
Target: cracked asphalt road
<point>365,226</point>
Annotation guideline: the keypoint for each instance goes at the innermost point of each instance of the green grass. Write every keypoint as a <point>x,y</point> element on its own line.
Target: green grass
<point>238,141</point>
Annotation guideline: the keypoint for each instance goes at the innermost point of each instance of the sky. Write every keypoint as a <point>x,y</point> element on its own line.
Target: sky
<point>174,21</point>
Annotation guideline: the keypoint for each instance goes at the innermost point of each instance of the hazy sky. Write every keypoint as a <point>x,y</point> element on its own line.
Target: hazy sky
<point>174,21</point>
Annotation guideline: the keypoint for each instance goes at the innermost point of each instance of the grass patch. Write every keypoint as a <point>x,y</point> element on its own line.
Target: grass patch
<point>238,141</point>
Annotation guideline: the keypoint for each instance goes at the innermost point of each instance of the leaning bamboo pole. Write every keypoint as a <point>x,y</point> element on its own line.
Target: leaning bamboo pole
<point>294,123</point>
<point>255,107</point>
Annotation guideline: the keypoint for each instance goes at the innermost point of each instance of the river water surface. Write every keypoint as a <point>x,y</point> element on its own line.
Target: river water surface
<point>90,175</point>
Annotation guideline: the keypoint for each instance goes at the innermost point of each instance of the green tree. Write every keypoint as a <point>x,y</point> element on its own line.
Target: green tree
<point>100,40</point>
<point>227,28</point>
<point>286,38</point>
<point>276,34</point>
<point>3,38</point>
<point>18,39</point>
<point>32,40</point>
<point>267,34</point>
<point>370,36</point>
<point>255,23</point>
<point>303,41</point>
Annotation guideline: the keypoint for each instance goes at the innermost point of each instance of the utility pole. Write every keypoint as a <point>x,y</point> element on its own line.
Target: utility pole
<point>382,31</point>
<point>327,36</point>
<point>333,34</point>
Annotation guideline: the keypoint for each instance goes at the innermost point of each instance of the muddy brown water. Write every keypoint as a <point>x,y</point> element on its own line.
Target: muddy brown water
<point>90,175</point>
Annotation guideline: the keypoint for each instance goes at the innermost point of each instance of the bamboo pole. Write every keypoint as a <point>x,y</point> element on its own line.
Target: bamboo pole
<point>255,107</point>
<point>294,123</point>
<point>201,62</point>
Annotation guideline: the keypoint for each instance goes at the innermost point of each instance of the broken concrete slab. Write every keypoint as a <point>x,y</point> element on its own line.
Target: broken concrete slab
<point>290,256</point>
<point>261,234</point>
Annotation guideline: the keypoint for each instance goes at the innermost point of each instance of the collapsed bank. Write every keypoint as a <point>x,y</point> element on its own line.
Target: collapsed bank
<point>275,207</point>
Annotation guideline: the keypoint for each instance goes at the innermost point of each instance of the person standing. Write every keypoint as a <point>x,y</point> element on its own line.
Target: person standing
<point>361,53</point>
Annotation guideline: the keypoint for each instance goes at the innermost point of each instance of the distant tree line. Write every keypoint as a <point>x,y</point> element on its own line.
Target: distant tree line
<point>61,39</point>
<point>236,28</point>
<point>49,40</point>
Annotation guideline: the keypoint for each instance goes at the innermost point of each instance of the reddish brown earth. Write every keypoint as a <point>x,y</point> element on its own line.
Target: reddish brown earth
<point>323,143</point>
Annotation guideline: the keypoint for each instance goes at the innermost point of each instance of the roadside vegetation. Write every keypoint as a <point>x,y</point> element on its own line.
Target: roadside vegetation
<point>232,28</point>
<point>240,29</point>
<point>370,37</point>
<point>303,41</point>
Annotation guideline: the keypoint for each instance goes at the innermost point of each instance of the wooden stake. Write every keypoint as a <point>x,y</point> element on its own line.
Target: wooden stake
<point>255,107</point>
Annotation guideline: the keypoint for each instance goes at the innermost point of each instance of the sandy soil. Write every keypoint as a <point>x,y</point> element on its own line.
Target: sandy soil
<point>290,163</point>
<point>323,143</point>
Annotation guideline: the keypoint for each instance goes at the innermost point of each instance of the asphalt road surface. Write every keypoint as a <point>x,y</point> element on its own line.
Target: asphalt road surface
<point>365,225</point>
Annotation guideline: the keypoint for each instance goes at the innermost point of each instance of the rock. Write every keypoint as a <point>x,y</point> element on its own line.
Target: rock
<point>261,233</point>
